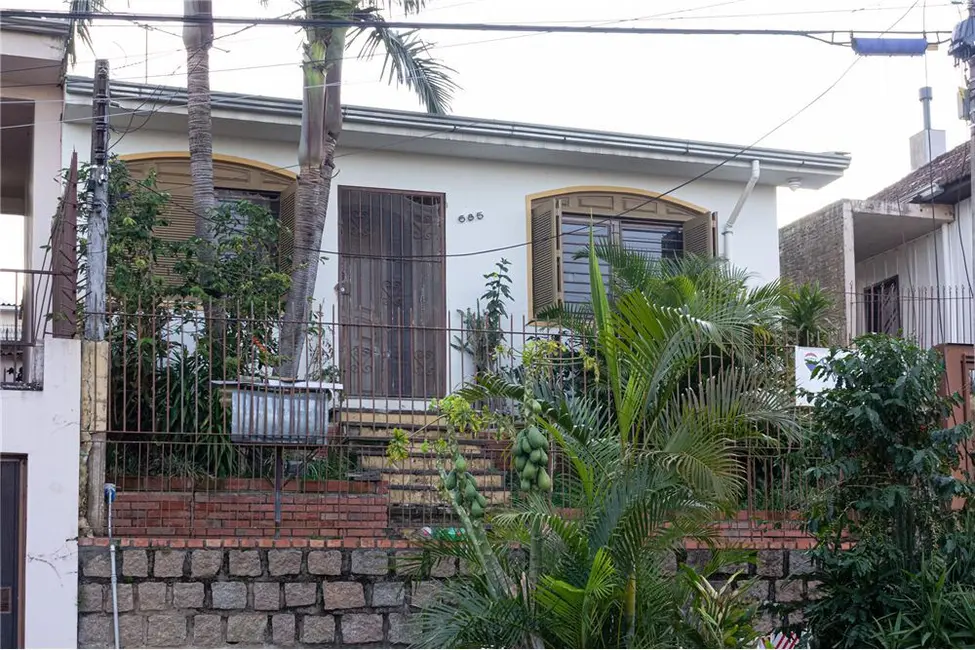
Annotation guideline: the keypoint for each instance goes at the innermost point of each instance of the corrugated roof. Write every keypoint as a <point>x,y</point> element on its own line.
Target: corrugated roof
<point>832,163</point>
<point>946,170</point>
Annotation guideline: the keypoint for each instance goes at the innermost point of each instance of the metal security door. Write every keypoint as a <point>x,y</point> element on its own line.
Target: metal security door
<point>12,497</point>
<point>392,305</point>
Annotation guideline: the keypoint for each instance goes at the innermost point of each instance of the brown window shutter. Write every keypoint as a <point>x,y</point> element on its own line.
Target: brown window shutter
<point>546,274</point>
<point>700,234</point>
<point>286,236</point>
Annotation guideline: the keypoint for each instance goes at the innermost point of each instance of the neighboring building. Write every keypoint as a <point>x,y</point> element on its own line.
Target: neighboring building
<point>11,358</point>
<point>39,409</point>
<point>417,196</point>
<point>902,260</point>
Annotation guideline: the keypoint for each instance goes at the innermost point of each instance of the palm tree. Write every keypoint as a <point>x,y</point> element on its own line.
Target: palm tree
<point>197,39</point>
<point>407,62</point>
<point>80,28</point>
<point>808,310</point>
<point>654,464</point>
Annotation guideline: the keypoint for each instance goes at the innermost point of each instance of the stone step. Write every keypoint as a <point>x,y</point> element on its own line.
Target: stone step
<point>389,420</point>
<point>418,462</point>
<point>377,447</point>
<point>353,431</point>
<point>430,497</point>
<point>422,478</point>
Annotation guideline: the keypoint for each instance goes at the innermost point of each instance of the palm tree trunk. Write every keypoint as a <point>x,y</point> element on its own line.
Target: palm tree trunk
<point>317,153</point>
<point>197,38</point>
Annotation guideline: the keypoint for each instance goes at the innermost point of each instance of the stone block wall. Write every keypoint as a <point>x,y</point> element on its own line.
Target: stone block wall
<point>814,248</point>
<point>289,593</point>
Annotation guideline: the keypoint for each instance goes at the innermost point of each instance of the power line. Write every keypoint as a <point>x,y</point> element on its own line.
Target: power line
<point>680,186</point>
<point>604,220</point>
<point>454,26</point>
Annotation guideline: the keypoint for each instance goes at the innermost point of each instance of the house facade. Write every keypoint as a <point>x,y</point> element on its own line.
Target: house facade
<point>40,388</point>
<point>902,260</point>
<point>423,206</point>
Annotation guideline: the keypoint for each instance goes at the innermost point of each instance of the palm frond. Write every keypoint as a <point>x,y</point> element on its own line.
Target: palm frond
<point>407,60</point>
<point>81,29</point>
<point>465,615</point>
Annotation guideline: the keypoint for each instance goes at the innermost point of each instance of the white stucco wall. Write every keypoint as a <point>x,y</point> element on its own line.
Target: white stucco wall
<point>945,258</point>
<point>45,426</point>
<point>497,189</point>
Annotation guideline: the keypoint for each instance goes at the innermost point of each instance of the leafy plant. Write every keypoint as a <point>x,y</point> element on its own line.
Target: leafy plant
<point>807,311</point>
<point>483,332</point>
<point>884,516</point>
<point>648,467</point>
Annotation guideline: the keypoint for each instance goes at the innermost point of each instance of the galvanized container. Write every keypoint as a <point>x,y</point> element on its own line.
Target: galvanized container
<point>275,412</point>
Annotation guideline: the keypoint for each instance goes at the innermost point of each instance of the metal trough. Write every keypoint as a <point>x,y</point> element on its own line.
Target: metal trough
<point>280,413</point>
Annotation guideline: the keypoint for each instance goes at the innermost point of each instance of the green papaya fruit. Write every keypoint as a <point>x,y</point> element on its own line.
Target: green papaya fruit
<point>537,438</point>
<point>520,460</point>
<point>526,446</point>
<point>543,481</point>
<point>535,456</point>
<point>482,500</point>
<point>529,472</point>
<point>525,485</point>
<point>451,481</point>
<point>477,510</point>
<point>542,458</point>
<point>460,465</point>
<point>471,490</point>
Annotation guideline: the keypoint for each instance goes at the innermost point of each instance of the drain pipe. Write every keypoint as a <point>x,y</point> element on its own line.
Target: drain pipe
<point>110,497</point>
<point>729,227</point>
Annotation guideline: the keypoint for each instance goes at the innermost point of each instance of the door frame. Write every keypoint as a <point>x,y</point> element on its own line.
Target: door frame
<point>406,404</point>
<point>21,605</point>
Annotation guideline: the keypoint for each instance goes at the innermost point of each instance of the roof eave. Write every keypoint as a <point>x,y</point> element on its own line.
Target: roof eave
<point>827,164</point>
<point>42,26</point>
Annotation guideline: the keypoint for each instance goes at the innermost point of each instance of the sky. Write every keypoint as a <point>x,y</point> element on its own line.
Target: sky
<point>731,89</point>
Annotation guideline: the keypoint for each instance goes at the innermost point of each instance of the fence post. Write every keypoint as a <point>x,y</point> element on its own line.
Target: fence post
<point>94,427</point>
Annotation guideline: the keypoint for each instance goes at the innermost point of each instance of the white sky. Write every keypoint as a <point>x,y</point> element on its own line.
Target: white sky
<point>727,89</point>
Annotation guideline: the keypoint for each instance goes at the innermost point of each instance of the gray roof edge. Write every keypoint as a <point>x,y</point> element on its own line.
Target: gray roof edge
<point>833,163</point>
<point>44,26</point>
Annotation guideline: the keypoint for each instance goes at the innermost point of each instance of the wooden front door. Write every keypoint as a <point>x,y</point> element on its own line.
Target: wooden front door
<point>392,307</point>
<point>13,496</point>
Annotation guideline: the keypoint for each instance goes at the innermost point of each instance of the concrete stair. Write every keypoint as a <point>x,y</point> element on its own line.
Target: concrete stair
<point>413,482</point>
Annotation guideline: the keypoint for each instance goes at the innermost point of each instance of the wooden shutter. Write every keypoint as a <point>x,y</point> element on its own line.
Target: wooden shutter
<point>286,237</point>
<point>172,177</point>
<point>700,234</point>
<point>546,269</point>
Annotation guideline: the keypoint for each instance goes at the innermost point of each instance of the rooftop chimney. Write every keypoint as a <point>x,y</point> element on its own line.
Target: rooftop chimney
<point>929,143</point>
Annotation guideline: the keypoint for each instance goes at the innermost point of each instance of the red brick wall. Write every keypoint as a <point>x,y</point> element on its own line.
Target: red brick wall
<point>346,511</point>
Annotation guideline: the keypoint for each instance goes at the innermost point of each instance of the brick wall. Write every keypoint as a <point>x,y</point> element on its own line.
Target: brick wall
<point>812,249</point>
<point>331,509</point>
<point>287,593</point>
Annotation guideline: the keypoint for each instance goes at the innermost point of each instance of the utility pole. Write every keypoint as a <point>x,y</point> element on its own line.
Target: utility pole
<point>98,219</point>
<point>95,350</point>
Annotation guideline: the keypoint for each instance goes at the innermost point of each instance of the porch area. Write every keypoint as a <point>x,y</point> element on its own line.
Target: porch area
<point>201,442</point>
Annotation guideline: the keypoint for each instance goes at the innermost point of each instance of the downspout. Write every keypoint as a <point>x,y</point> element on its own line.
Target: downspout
<point>729,227</point>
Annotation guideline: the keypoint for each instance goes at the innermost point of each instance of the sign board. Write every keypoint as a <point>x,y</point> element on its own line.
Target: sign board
<point>806,360</point>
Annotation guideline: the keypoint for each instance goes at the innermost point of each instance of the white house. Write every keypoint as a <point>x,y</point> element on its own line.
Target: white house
<point>39,413</point>
<point>422,206</point>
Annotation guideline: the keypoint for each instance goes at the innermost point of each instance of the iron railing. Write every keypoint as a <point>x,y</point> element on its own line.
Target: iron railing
<point>930,315</point>
<point>202,442</point>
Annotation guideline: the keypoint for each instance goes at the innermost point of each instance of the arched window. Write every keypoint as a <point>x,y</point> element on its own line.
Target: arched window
<point>560,222</point>
<point>234,179</point>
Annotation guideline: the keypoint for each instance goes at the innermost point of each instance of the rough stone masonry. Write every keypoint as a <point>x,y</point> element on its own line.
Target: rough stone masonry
<point>286,597</point>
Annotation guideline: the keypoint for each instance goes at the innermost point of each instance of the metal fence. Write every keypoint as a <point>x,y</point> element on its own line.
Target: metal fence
<point>201,442</point>
<point>930,315</point>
